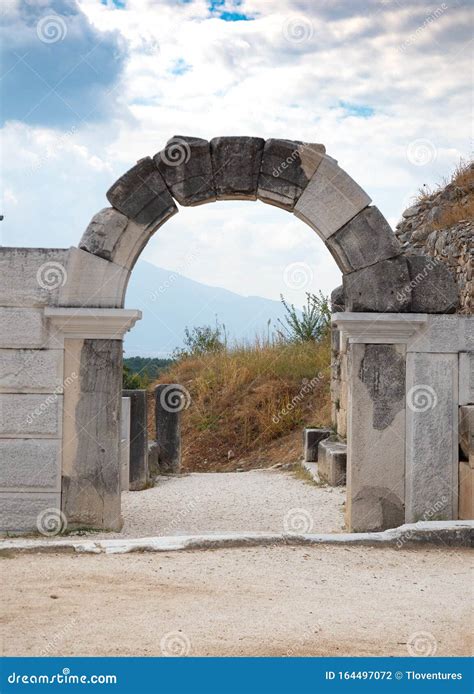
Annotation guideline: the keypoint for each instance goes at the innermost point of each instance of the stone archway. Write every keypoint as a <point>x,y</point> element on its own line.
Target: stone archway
<point>382,327</point>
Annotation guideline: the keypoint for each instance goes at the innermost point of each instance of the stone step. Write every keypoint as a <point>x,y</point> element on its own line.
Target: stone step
<point>332,456</point>
<point>311,438</point>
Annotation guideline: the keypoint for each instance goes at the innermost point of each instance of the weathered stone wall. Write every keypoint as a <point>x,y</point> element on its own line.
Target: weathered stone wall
<point>428,227</point>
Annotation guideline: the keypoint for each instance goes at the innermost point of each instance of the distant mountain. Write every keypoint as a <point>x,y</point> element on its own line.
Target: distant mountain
<point>170,302</point>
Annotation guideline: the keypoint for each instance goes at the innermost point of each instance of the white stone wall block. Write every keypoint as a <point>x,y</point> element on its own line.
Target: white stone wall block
<point>330,199</point>
<point>22,513</point>
<point>432,437</point>
<point>30,416</point>
<point>22,328</point>
<point>29,464</point>
<point>31,276</point>
<point>31,370</point>
<point>444,333</point>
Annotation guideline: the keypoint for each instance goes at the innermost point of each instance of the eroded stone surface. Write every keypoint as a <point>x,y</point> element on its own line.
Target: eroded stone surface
<point>383,287</point>
<point>21,513</point>
<point>29,415</point>
<point>141,194</point>
<point>363,241</point>
<point>31,370</point>
<point>433,288</point>
<point>236,166</point>
<point>185,164</point>
<point>28,464</point>
<point>104,232</point>
<point>382,370</point>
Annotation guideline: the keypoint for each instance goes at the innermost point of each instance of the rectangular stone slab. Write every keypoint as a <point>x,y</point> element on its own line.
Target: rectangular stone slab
<point>332,457</point>
<point>433,287</point>
<point>330,199</point>
<point>363,241</point>
<point>22,327</point>
<point>141,194</point>
<point>383,287</point>
<point>29,464</point>
<point>236,166</point>
<point>466,378</point>
<point>376,436</point>
<point>31,276</point>
<point>185,164</point>
<point>466,491</point>
<point>311,440</point>
<point>138,478</point>
<point>20,513</point>
<point>31,370</point>
<point>444,333</point>
<point>432,437</point>
<point>30,416</point>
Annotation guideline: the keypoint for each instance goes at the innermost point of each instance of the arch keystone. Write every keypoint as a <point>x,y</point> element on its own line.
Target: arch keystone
<point>236,166</point>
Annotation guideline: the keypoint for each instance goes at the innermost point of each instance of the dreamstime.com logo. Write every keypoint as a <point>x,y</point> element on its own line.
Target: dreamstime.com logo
<point>405,293</point>
<point>421,152</point>
<point>175,644</point>
<point>421,398</point>
<point>50,399</point>
<point>175,398</point>
<point>51,29</point>
<point>51,275</point>
<point>51,522</point>
<point>298,520</point>
<point>422,644</point>
<point>307,387</point>
<point>176,152</point>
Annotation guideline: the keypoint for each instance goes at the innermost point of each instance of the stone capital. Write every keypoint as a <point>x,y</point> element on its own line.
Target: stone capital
<point>378,328</point>
<point>91,323</point>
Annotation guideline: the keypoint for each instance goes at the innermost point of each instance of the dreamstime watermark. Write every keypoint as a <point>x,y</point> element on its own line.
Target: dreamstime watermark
<point>175,644</point>
<point>306,388</point>
<point>297,521</point>
<point>51,522</point>
<point>175,398</point>
<point>168,283</point>
<point>422,644</point>
<point>421,152</point>
<point>54,147</point>
<point>183,513</point>
<point>298,29</point>
<point>295,155</point>
<point>51,275</point>
<point>51,29</point>
<point>422,398</point>
<point>176,152</point>
<point>297,276</point>
<point>431,513</point>
<point>413,38</point>
<point>53,643</point>
<point>405,293</point>
<point>50,399</point>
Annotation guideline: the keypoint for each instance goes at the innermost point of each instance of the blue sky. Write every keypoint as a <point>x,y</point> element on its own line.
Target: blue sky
<point>89,87</point>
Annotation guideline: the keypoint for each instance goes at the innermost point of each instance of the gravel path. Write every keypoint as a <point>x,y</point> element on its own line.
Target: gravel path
<point>259,500</point>
<point>272,601</point>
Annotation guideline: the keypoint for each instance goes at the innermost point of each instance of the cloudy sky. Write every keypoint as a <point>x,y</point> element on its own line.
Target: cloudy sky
<point>88,87</point>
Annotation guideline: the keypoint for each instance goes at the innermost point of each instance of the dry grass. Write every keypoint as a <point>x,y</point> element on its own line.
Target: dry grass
<point>462,207</point>
<point>247,399</point>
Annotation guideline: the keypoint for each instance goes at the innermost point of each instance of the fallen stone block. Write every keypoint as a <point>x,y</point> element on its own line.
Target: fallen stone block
<point>383,287</point>
<point>330,199</point>
<point>141,194</point>
<point>363,241</point>
<point>236,166</point>
<point>466,491</point>
<point>185,164</point>
<point>332,456</point>
<point>311,440</point>
<point>433,288</point>
<point>286,169</point>
<point>466,432</point>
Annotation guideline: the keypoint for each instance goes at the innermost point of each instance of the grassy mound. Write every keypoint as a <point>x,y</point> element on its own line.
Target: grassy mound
<point>250,403</point>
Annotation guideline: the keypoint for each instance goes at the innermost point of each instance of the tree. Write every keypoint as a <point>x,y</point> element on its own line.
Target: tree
<point>203,339</point>
<point>309,325</point>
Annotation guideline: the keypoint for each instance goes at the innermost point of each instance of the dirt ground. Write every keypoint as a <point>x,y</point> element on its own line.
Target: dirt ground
<point>280,601</point>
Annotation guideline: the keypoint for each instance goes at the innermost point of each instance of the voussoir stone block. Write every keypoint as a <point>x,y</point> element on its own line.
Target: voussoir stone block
<point>141,194</point>
<point>363,241</point>
<point>93,282</point>
<point>104,233</point>
<point>236,166</point>
<point>28,464</point>
<point>330,199</point>
<point>185,164</point>
<point>433,288</point>
<point>286,169</point>
<point>383,287</point>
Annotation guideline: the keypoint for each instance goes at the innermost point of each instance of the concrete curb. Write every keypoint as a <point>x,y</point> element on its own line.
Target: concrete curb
<point>439,533</point>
